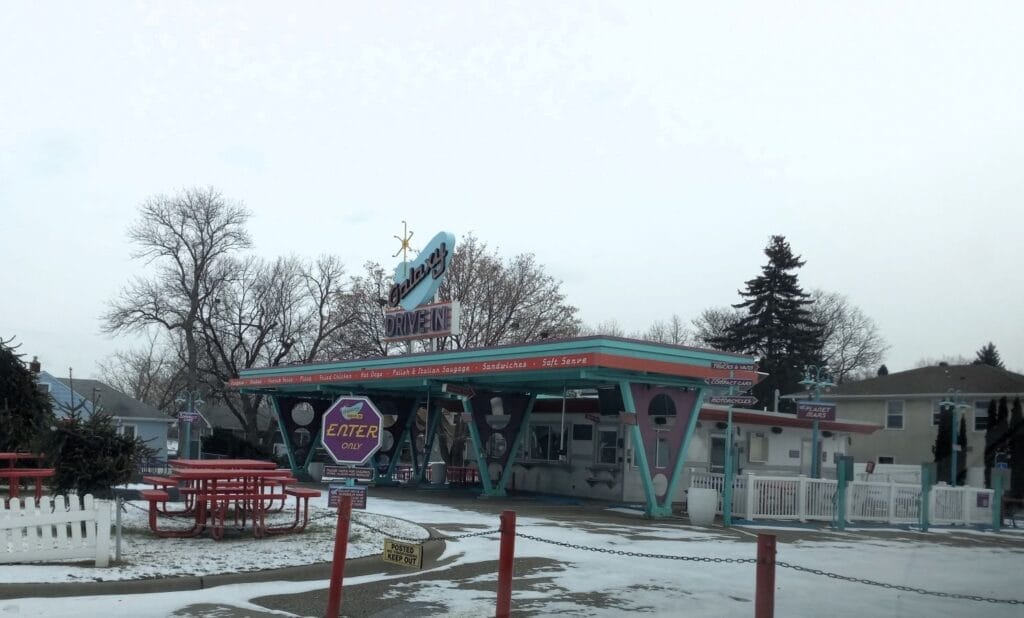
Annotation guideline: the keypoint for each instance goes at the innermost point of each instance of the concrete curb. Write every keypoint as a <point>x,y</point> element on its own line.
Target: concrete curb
<point>354,567</point>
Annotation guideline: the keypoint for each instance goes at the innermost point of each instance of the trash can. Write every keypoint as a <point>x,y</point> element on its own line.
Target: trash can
<point>437,472</point>
<point>701,504</point>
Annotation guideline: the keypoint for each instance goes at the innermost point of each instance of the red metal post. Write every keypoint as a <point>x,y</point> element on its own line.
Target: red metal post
<point>340,549</point>
<point>764,599</point>
<point>505,559</point>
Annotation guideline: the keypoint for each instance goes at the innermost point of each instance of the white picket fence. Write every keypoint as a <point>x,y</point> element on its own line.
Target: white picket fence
<point>55,531</point>
<point>798,498</point>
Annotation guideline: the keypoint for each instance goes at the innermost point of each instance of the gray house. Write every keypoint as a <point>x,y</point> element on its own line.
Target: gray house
<point>906,404</point>
<point>133,417</point>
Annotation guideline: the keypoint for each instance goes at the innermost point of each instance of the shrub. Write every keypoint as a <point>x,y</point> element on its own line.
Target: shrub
<point>90,457</point>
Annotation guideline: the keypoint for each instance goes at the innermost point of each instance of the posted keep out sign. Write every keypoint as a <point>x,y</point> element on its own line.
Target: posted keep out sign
<point>351,430</point>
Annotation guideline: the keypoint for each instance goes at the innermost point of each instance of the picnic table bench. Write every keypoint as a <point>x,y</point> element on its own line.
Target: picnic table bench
<point>14,477</point>
<point>210,493</point>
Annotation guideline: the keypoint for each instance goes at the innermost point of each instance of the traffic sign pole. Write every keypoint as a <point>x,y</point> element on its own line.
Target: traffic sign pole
<point>188,431</point>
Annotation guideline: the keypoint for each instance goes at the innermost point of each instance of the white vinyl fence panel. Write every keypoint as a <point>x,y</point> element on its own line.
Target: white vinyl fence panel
<point>804,499</point>
<point>57,530</point>
<point>712,480</point>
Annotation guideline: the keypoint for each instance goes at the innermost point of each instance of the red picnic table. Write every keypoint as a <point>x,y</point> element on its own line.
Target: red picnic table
<point>217,464</point>
<point>13,458</point>
<point>210,492</point>
<point>14,474</point>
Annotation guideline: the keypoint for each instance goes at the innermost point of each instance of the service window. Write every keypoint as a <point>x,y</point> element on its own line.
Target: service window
<point>757,447</point>
<point>606,451</point>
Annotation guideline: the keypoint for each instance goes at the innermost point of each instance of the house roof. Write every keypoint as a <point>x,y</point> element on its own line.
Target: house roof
<point>220,416</point>
<point>114,402</point>
<point>935,381</point>
<point>64,399</point>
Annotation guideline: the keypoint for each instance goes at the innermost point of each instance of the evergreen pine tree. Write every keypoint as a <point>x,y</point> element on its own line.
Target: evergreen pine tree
<point>1016,448</point>
<point>25,412</point>
<point>778,328</point>
<point>943,448</point>
<point>988,355</point>
<point>883,371</point>
<point>990,442</point>
<point>961,457</point>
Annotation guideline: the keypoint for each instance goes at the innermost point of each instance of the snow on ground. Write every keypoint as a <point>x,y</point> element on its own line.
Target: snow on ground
<point>587,583</point>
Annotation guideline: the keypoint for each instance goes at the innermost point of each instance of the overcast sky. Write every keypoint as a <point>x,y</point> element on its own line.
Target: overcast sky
<point>644,151</point>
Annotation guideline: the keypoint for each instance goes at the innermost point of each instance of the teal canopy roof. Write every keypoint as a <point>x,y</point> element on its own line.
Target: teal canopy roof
<point>540,367</point>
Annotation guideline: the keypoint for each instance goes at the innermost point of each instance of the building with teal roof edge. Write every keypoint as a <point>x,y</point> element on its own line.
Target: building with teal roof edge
<point>652,393</point>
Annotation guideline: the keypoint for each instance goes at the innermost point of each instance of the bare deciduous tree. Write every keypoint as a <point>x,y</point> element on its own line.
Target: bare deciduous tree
<point>502,301</point>
<point>713,323</point>
<point>152,373</point>
<point>267,314</point>
<point>852,344</point>
<point>185,237</point>
<point>609,328</point>
<point>366,303</point>
<point>673,331</point>
<point>948,359</point>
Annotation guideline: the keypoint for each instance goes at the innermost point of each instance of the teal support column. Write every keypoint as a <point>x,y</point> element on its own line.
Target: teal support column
<point>727,486</point>
<point>388,477</point>
<point>428,447</point>
<point>285,437</point>
<point>815,456</point>
<point>926,486</point>
<point>506,472</point>
<point>677,471</point>
<point>478,451</point>
<point>997,502</point>
<point>841,479</point>
<point>639,452</point>
<point>654,508</point>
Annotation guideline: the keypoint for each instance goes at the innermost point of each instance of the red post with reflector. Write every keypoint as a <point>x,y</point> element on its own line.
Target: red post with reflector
<point>505,560</point>
<point>764,598</point>
<point>340,551</point>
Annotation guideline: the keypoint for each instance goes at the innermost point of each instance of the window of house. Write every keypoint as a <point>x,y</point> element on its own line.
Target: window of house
<point>886,459</point>
<point>661,453</point>
<point>894,414</point>
<point>127,431</point>
<point>980,415</point>
<point>607,446</point>
<point>757,447</point>
<point>42,387</point>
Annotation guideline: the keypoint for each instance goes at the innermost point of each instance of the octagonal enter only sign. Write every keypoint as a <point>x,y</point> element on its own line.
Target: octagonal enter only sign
<point>351,430</point>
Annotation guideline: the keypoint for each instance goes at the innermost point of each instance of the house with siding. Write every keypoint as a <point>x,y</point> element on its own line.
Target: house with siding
<point>133,417</point>
<point>907,405</point>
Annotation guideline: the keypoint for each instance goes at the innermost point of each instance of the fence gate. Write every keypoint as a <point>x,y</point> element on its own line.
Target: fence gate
<point>78,530</point>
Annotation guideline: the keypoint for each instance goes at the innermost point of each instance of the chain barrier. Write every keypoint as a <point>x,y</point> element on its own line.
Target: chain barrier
<point>432,537</point>
<point>888,586</point>
<point>631,554</point>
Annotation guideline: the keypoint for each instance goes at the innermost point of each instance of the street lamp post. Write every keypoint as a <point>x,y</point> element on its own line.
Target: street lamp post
<point>815,378</point>
<point>953,400</point>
